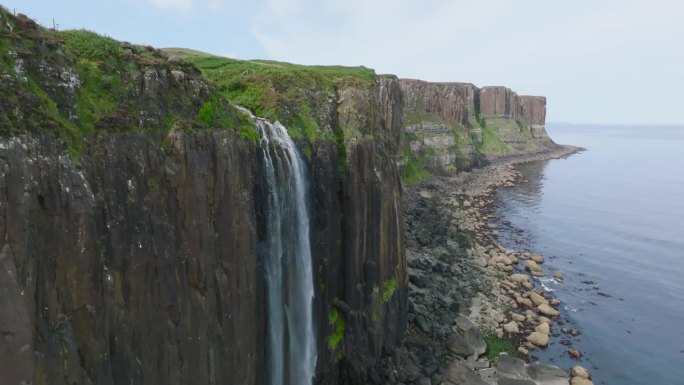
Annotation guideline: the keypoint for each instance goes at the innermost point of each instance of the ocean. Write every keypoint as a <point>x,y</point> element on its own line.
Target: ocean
<point>611,219</point>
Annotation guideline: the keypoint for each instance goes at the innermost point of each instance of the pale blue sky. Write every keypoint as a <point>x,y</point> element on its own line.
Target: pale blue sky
<point>609,61</point>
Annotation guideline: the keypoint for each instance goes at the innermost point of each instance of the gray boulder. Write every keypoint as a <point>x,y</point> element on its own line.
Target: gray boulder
<point>458,345</point>
<point>459,374</point>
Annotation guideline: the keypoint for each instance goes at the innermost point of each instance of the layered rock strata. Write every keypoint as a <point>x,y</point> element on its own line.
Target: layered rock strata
<point>455,126</point>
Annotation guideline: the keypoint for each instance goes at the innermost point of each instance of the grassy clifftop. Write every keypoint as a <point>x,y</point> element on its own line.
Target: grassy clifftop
<point>298,96</point>
<point>75,83</point>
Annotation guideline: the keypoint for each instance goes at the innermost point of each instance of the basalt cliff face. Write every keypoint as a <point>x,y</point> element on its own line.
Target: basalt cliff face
<point>132,218</point>
<point>130,230</point>
<point>452,126</point>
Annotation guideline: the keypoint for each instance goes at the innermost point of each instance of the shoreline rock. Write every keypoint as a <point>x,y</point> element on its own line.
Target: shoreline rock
<point>473,279</point>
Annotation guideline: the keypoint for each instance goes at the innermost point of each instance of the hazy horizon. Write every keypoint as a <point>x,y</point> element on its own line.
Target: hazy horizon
<point>613,62</point>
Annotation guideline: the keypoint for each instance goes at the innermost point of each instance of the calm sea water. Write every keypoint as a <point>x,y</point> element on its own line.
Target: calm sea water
<point>612,220</point>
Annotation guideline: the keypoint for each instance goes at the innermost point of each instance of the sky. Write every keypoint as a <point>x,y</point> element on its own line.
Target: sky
<point>608,61</point>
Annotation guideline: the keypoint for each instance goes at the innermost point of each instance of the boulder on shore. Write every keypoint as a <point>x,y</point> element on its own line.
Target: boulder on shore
<point>543,328</point>
<point>548,310</point>
<point>511,327</point>
<point>459,346</point>
<point>579,371</point>
<point>538,339</point>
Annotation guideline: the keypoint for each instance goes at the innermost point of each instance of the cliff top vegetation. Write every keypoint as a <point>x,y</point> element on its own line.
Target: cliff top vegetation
<point>75,83</point>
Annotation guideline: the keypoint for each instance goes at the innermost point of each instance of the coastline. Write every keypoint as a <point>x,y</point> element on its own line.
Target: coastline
<point>458,271</point>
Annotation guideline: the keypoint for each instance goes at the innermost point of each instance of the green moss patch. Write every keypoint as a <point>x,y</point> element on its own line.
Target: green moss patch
<point>497,345</point>
<point>388,289</point>
<point>336,321</point>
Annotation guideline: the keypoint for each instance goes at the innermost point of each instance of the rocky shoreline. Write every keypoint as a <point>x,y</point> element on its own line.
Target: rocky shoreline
<point>475,313</point>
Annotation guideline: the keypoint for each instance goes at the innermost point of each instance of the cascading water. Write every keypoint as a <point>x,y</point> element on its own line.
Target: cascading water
<point>287,258</point>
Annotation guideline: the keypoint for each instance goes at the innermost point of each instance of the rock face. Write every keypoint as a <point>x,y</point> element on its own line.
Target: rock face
<point>133,258</point>
<point>499,102</point>
<point>140,266</point>
<point>452,126</point>
<point>533,109</point>
<point>440,121</point>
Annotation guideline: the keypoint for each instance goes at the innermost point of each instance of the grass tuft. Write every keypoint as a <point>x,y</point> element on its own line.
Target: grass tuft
<point>497,345</point>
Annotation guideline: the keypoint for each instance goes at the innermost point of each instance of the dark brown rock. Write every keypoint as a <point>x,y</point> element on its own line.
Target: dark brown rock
<point>499,101</point>
<point>532,109</point>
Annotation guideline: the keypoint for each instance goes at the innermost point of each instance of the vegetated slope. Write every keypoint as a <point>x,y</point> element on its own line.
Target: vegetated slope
<point>75,83</point>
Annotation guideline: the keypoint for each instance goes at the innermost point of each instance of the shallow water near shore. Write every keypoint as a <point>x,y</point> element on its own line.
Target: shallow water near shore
<point>611,219</point>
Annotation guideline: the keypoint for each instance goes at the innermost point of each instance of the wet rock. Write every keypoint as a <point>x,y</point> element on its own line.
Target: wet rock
<point>579,371</point>
<point>537,258</point>
<point>574,353</point>
<point>537,299</point>
<point>531,265</point>
<point>543,328</point>
<point>538,339</point>
<point>548,310</point>
<point>580,381</point>
<point>519,278</point>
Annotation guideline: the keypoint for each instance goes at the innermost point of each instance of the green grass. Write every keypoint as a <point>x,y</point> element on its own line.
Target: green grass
<point>108,95</point>
<point>184,52</point>
<point>491,144</point>
<point>280,91</point>
<point>336,320</point>
<point>497,345</point>
<point>89,45</point>
<point>388,289</point>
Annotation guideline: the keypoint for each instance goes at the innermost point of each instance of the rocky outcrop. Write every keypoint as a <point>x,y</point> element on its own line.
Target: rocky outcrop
<point>499,101</point>
<point>533,112</point>
<point>455,126</point>
<point>533,109</point>
<point>441,127</point>
<point>455,102</point>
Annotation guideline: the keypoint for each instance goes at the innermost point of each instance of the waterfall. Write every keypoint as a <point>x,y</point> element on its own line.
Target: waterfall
<point>286,255</point>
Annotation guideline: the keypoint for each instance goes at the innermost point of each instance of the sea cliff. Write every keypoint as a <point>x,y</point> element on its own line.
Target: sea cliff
<point>130,214</point>
<point>456,126</point>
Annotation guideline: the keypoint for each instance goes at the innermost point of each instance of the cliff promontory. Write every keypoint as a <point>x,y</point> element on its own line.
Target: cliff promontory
<point>455,126</point>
